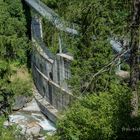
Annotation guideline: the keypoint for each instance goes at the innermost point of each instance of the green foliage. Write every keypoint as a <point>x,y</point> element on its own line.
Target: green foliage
<point>5,72</point>
<point>97,117</point>
<point>96,15</point>
<point>54,137</point>
<point>51,3</point>
<point>97,21</point>
<point>21,87</point>
<point>13,42</point>
<point>88,61</point>
<point>4,69</point>
<point>50,37</point>
<point>13,49</point>
<point>7,133</point>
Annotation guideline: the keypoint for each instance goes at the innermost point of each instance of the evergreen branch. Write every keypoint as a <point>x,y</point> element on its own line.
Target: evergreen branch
<point>105,67</point>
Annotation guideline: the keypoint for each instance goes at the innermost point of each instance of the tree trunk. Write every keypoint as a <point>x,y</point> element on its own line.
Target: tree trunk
<point>134,64</point>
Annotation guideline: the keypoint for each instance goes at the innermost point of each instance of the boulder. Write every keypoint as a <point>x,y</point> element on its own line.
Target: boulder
<point>20,102</point>
<point>30,129</point>
<point>33,130</point>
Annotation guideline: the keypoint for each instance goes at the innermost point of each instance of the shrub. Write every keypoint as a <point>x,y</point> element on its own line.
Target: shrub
<point>97,117</point>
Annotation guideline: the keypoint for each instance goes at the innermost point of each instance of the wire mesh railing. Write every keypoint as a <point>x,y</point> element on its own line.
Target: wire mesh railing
<point>50,15</point>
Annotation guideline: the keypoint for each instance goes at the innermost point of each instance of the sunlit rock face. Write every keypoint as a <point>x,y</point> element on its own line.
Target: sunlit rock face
<point>30,121</point>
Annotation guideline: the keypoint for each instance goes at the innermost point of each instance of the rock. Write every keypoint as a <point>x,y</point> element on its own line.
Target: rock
<point>33,130</point>
<point>20,102</point>
<point>30,121</point>
<point>32,106</point>
<point>29,131</point>
<point>6,124</point>
<point>123,74</point>
<point>42,138</point>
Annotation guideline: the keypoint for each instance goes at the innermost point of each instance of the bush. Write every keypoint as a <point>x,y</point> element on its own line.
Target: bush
<point>7,133</point>
<point>21,87</point>
<point>97,117</point>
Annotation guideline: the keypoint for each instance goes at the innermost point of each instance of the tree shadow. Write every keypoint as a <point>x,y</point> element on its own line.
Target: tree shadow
<point>128,127</point>
<point>27,13</point>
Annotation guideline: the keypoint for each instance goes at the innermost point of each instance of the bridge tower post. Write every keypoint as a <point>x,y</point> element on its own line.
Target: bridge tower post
<point>40,24</point>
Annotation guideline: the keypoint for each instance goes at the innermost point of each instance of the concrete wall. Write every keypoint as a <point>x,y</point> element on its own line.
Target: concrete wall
<point>51,91</point>
<point>49,74</point>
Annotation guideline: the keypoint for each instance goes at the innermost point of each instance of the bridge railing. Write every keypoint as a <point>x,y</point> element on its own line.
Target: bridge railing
<point>50,15</point>
<point>47,8</point>
<point>36,35</point>
<point>44,48</point>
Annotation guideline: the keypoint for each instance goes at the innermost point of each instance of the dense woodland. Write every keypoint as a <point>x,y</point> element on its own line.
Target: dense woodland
<point>14,50</point>
<point>107,105</point>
